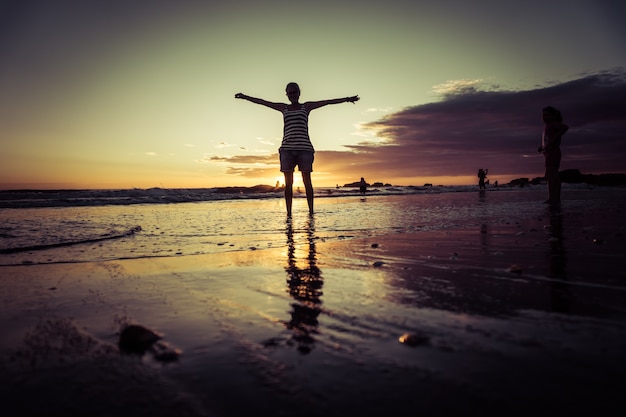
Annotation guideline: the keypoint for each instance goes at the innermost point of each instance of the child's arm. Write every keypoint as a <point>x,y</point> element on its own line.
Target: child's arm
<point>311,105</point>
<point>271,105</point>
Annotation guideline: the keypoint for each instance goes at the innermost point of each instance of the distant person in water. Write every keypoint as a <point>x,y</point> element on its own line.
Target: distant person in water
<point>362,186</point>
<point>482,174</point>
<point>553,130</point>
<point>296,148</point>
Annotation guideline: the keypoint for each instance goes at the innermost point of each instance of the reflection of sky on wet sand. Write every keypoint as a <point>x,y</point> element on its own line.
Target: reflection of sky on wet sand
<point>219,226</point>
<point>450,251</point>
<point>496,254</point>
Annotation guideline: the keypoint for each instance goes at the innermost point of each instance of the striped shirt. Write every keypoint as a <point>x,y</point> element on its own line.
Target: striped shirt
<point>296,130</point>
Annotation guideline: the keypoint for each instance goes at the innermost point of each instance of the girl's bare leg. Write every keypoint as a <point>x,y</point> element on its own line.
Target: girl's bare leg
<point>288,191</point>
<point>308,186</point>
<point>554,186</point>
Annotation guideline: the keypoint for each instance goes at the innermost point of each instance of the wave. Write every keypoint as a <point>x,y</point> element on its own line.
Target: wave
<point>111,236</point>
<point>78,198</point>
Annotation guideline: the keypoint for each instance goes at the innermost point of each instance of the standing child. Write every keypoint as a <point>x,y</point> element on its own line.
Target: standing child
<point>553,130</point>
<point>296,148</point>
<point>362,186</point>
<point>482,174</point>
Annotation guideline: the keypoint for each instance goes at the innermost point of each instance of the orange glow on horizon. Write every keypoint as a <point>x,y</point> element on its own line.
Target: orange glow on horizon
<point>328,181</point>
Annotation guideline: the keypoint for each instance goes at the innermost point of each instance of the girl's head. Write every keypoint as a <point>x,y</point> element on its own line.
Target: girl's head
<point>293,92</point>
<point>550,114</point>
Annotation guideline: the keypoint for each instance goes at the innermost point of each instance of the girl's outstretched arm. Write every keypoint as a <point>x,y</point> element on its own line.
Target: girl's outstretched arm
<point>311,105</point>
<point>271,105</point>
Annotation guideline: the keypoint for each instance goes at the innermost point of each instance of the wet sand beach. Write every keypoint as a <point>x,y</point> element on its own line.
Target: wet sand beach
<point>514,311</point>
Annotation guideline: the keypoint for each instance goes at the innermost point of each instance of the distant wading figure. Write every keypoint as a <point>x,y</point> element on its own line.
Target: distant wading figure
<point>482,174</point>
<point>362,186</point>
<point>553,130</point>
<point>296,148</point>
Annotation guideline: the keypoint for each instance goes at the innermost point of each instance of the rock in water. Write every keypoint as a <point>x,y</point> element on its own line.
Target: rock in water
<point>137,339</point>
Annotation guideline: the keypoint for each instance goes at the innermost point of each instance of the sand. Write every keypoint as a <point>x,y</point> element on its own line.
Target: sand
<point>504,319</point>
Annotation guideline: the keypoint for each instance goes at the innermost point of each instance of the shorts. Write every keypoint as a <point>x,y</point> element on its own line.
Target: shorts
<point>290,159</point>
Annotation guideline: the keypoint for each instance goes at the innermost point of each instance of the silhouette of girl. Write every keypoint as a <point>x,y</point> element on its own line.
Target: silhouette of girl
<point>296,148</point>
<point>553,130</point>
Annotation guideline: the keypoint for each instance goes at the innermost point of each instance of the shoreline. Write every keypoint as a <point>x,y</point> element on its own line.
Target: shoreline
<point>33,199</point>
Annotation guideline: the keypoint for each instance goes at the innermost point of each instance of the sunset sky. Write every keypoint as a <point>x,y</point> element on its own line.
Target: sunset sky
<point>124,94</point>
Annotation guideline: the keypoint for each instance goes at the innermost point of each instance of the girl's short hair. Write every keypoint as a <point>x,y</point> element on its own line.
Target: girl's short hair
<point>292,84</point>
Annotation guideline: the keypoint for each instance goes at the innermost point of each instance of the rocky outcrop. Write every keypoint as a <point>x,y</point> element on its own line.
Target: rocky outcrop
<point>574,176</point>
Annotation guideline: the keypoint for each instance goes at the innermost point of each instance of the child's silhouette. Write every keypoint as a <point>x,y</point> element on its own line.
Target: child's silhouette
<point>296,148</point>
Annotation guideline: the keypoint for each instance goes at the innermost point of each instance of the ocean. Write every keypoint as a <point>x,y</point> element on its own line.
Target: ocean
<point>95,225</point>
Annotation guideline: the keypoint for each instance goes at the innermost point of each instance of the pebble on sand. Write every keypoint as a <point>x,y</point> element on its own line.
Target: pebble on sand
<point>413,339</point>
<point>137,339</point>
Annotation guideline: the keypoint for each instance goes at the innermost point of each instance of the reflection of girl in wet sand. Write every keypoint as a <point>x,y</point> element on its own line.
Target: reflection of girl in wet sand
<point>305,286</point>
<point>553,130</point>
<point>296,148</point>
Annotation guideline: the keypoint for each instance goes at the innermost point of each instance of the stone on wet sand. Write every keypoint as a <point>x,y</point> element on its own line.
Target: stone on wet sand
<point>413,339</point>
<point>163,352</point>
<point>137,339</point>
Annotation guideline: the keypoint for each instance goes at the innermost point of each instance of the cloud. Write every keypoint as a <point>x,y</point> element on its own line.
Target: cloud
<point>222,145</point>
<point>252,172</point>
<point>379,110</point>
<point>471,128</point>
<point>457,87</point>
<point>241,159</point>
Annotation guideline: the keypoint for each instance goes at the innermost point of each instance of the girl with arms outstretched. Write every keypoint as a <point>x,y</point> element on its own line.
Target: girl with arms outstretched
<point>296,148</point>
